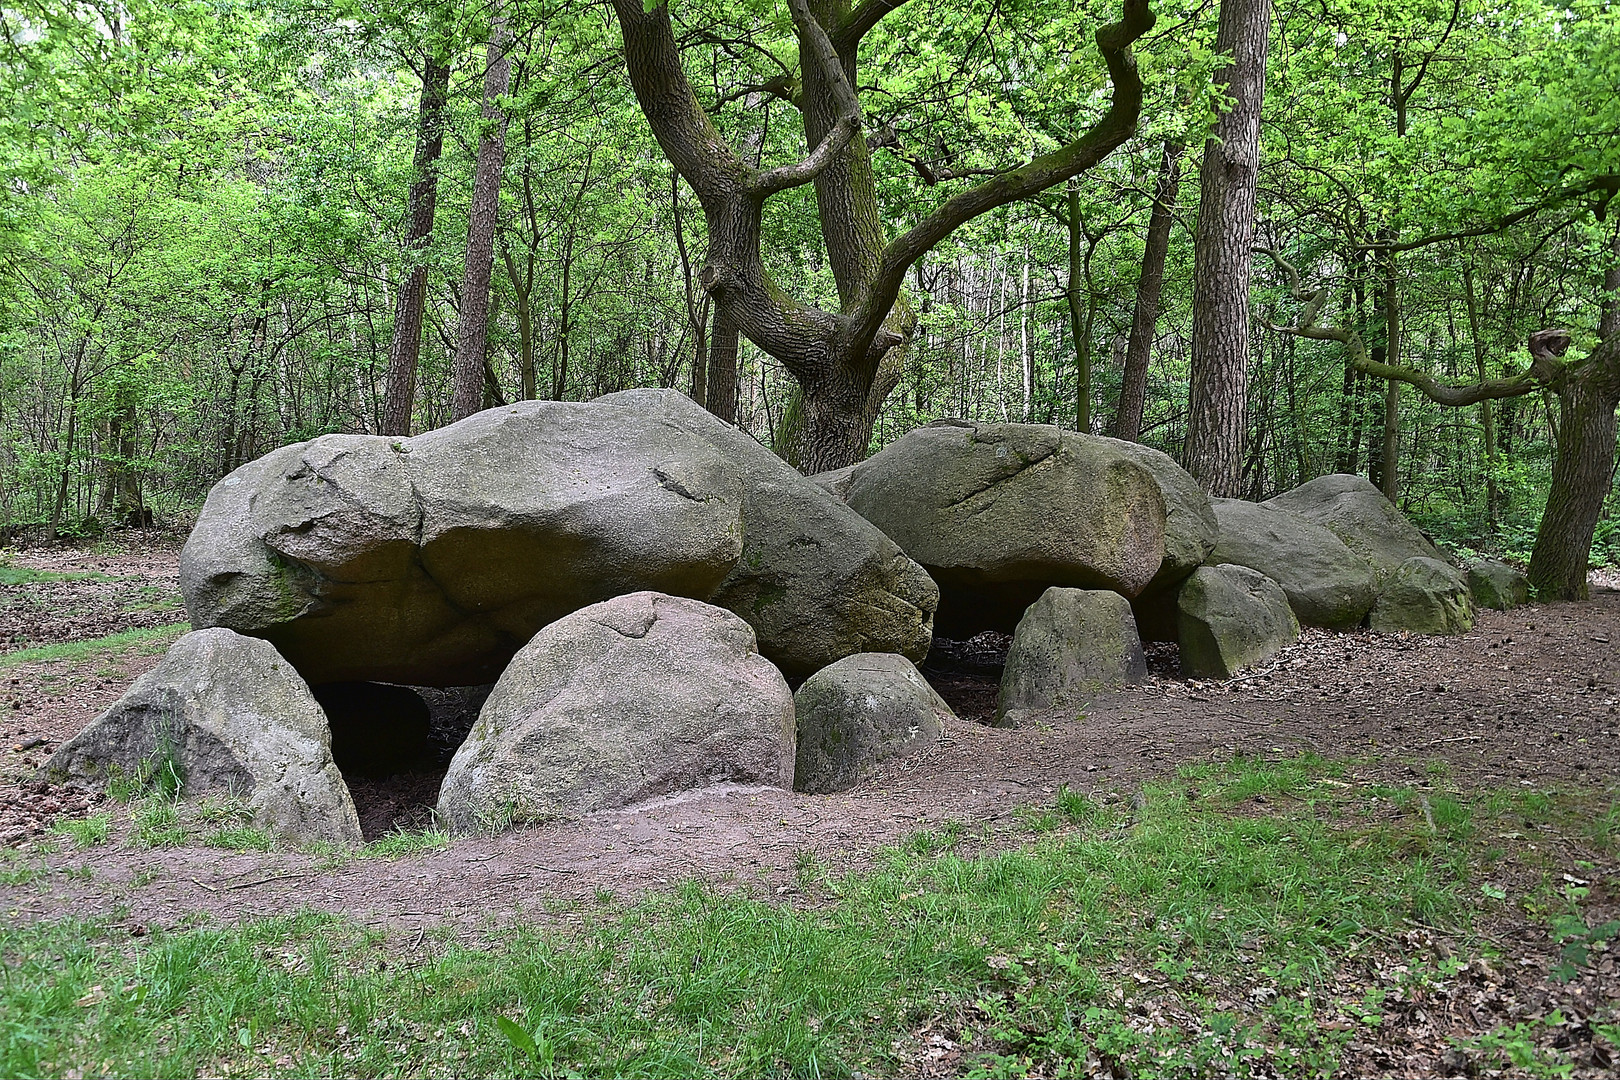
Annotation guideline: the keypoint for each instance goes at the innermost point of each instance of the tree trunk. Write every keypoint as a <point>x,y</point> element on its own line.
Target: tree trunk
<point>1079,324</point>
<point>1149,288</point>
<point>473,327</point>
<point>1583,470</point>
<point>847,361</point>
<point>1389,478</point>
<point>1218,393</point>
<point>1487,416</point>
<point>404,349</point>
<point>722,379</point>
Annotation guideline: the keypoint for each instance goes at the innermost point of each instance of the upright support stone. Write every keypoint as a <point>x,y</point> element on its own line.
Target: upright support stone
<point>1071,645</point>
<point>1231,618</point>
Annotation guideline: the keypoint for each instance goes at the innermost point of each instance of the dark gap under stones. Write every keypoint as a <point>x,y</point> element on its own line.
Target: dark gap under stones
<point>393,745</point>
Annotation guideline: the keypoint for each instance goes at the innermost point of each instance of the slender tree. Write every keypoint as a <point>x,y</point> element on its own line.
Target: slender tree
<point>1149,288</point>
<point>472,327</point>
<point>406,344</point>
<point>1217,422</point>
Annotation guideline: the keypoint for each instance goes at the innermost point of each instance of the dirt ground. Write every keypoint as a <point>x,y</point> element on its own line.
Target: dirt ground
<point>1529,699</point>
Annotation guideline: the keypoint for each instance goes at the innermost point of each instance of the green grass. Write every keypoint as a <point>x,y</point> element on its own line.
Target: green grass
<point>87,831</point>
<point>21,575</point>
<point>1027,951</point>
<point>150,640</point>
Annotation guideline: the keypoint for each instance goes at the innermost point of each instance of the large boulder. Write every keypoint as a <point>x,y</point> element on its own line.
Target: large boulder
<point>999,513</point>
<point>231,716</point>
<point>856,714</point>
<point>1359,514</point>
<point>1497,585</point>
<point>1071,645</point>
<point>430,560</point>
<point>816,581</point>
<point>1190,527</point>
<point>634,698</point>
<point>1231,618</point>
<point>1424,596</point>
<point>1327,584</point>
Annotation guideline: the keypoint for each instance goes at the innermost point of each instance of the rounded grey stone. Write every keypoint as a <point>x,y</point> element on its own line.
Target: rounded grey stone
<point>859,712</point>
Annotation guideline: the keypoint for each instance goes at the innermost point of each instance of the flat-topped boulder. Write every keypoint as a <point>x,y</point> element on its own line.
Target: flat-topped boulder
<point>230,717</point>
<point>999,513</point>
<point>624,701</point>
<point>1359,514</point>
<point>430,561</point>
<point>1326,583</point>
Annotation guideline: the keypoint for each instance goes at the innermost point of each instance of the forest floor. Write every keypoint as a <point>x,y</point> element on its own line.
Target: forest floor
<point>1518,720</point>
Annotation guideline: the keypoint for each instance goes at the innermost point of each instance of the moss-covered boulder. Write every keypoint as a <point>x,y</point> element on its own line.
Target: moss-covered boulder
<point>1424,596</point>
<point>858,713</point>
<point>1071,645</point>
<point>1497,585</point>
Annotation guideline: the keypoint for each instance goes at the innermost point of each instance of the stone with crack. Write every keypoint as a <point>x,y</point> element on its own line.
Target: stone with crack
<point>635,698</point>
<point>230,716</point>
<point>999,513</point>
<point>429,561</point>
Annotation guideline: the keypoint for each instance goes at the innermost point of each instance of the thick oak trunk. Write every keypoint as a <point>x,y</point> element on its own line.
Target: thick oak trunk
<point>1218,392</point>
<point>405,347</point>
<point>1583,471</point>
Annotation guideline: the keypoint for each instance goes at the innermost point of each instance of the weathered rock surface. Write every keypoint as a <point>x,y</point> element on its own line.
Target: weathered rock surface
<point>1327,584</point>
<point>1359,514</point>
<point>617,703</point>
<point>1190,527</point>
<point>430,560</point>
<point>377,729</point>
<point>233,717</point>
<point>1071,645</point>
<point>1231,618</point>
<point>856,714</point>
<point>1497,585</point>
<point>998,513</point>
<point>1424,596</point>
<point>816,581</point>
<point>835,482</point>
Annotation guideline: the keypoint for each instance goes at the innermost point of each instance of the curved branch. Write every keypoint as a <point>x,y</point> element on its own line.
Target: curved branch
<point>1547,347</point>
<point>683,129</point>
<point>1115,126</point>
<point>816,48</point>
<point>855,25</point>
